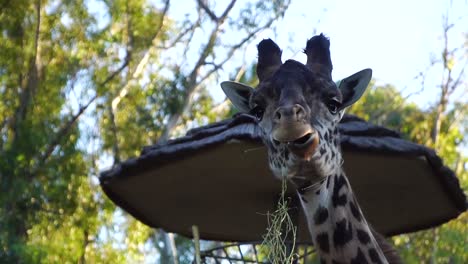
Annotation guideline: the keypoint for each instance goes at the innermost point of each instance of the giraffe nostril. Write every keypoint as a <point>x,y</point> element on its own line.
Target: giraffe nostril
<point>290,113</point>
<point>278,115</point>
<point>299,112</point>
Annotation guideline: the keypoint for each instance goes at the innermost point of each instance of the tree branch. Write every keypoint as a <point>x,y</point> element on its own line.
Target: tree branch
<point>193,85</point>
<point>65,129</point>
<point>143,62</point>
<point>32,78</point>
<point>447,85</point>
<point>188,41</point>
<point>458,116</point>
<point>226,11</point>
<point>59,136</point>
<point>85,244</point>
<point>113,126</point>
<point>180,36</point>
<point>111,76</point>
<point>457,81</point>
<point>205,8</point>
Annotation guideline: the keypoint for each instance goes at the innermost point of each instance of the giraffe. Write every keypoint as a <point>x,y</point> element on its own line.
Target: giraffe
<point>298,108</point>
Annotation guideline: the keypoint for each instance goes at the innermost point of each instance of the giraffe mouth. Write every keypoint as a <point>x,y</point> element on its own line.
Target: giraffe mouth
<point>302,141</point>
<point>304,146</point>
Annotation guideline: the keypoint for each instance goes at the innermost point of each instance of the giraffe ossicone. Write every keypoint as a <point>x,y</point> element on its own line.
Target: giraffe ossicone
<point>298,108</point>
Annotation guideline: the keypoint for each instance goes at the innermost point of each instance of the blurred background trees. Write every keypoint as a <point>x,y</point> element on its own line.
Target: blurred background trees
<point>86,84</point>
<point>442,126</point>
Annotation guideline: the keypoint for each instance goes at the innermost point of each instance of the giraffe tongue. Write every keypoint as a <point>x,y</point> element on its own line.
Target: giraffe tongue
<point>302,140</point>
<point>304,146</point>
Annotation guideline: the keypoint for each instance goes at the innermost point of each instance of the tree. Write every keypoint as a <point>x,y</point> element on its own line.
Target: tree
<point>76,86</point>
<point>442,126</point>
<point>447,122</point>
<point>41,166</point>
<point>444,244</point>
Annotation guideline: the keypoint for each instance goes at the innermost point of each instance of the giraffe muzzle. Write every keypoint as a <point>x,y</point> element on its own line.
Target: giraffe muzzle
<point>302,141</point>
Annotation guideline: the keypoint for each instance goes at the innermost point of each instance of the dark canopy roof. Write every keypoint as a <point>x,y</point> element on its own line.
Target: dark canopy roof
<point>217,177</point>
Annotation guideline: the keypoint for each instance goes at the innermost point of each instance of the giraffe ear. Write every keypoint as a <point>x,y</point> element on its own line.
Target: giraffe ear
<point>354,86</point>
<point>239,94</point>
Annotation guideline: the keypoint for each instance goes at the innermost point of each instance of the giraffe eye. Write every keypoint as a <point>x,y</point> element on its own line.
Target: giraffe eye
<point>333,106</point>
<point>258,112</point>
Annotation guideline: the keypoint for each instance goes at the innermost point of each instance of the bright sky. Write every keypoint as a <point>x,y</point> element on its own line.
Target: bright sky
<point>395,38</point>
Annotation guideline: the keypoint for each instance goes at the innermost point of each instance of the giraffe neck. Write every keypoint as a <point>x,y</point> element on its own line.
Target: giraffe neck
<point>336,223</point>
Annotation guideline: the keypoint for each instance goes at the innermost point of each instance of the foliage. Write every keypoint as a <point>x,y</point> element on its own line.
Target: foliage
<point>40,182</point>
<point>78,81</point>
<point>442,126</point>
<point>447,243</point>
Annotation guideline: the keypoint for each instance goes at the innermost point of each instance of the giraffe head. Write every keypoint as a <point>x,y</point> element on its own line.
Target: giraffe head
<point>298,107</point>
